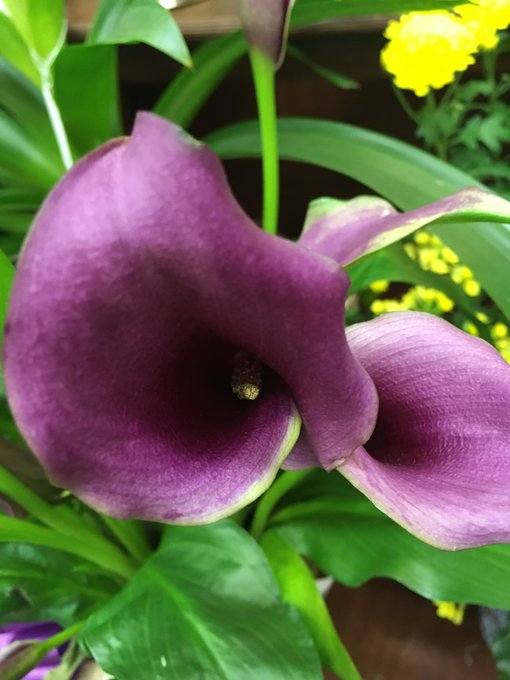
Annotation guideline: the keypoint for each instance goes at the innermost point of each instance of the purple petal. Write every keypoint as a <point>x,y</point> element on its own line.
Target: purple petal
<point>14,643</point>
<point>347,230</point>
<point>141,281</point>
<point>438,461</point>
<point>266,24</point>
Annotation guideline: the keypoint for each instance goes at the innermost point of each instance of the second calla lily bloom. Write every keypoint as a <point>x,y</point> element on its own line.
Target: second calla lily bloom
<point>158,342</point>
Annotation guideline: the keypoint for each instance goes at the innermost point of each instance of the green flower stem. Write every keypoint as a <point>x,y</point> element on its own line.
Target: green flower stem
<point>56,122</point>
<point>284,483</point>
<point>39,651</point>
<point>87,546</point>
<point>264,79</point>
<point>131,535</point>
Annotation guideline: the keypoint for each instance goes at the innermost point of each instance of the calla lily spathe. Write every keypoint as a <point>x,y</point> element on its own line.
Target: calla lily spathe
<point>266,24</point>
<point>438,461</point>
<point>142,293</point>
<point>146,303</point>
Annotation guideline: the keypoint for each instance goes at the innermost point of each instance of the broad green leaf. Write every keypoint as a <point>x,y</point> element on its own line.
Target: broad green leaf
<point>182,99</point>
<point>399,172</point>
<point>91,113</point>
<point>298,588</point>
<point>132,21</point>
<point>335,526</point>
<point>204,606</point>
<point>40,584</point>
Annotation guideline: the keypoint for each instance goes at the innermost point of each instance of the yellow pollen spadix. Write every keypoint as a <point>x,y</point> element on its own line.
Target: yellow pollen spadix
<point>246,379</point>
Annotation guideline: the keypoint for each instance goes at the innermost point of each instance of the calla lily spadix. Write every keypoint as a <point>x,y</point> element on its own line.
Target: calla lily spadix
<point>161,350</point>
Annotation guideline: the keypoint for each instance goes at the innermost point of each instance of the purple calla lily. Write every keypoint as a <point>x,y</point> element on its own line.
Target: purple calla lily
<point>160,346</point>
<point>158,342</point>
<point>16,641</point>
<point>438,461</point>
<point>266,24</point>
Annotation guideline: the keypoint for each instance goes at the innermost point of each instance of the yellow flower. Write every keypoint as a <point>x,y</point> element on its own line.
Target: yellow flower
<point>499,330</point>
<point>426,49</point>
<point>380,286</point>
<point>485,18</point>
<point>470,328</point>
<point>439,267</point>
<point>451,611</point>
<point>472,288</point>
<point>449,256</point>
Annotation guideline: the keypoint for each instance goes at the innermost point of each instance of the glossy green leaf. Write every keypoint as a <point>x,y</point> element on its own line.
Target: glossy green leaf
<point>40,584</point>
<point>399,172</point>
<point>204,606</point>
<point>298,588</point>
<point>91,113</point>
<point>132,21</point>
<point>340,530</point>
<point>182,99</point>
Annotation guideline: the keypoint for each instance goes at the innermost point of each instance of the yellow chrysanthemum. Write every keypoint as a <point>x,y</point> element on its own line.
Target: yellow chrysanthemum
<point>485,18</point>
<point>426,49</point>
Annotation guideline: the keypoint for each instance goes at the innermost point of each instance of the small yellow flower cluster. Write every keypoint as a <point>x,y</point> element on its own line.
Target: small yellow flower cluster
<point>419,298</point>
<point>435,257</point>
<point>501,339</point>
<point>451,611</point>
<point>426,49</point>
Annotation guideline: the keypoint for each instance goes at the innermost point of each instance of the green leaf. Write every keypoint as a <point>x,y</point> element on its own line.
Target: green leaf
<point>401,173</point>
<point>132,21</point>
<point>392,264</point>
<point>47,27</point>
<point>15,51</point>
<point>40,584</point>
<point>22,163</point>
<point>342,82</point>
<point>182,99</point>
<point>310,11</point>
<point>204,606</point>
<point>6,278</point>
<point>24,104</point>
<point>298,588</point>
<point>340,530</point>
<point>91,114</point>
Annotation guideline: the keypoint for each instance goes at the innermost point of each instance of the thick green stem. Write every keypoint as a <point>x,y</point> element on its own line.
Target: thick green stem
<point>131,535</point>
<point>284,483</point>
<point>264,79</point>
<point>56,122</point>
